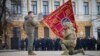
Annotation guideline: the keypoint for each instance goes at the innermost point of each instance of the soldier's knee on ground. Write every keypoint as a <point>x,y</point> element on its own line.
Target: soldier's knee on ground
<point>62,45</point>
<point>61,42</point>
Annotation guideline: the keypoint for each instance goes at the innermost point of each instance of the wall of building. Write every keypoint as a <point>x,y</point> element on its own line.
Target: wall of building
<point>82,20</point>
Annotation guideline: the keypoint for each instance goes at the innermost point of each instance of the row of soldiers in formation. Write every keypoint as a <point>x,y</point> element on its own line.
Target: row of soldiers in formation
<point>53,44</point>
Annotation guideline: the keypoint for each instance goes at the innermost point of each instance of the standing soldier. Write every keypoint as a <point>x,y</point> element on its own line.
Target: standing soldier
<point>29,27</point>
<point>69,42</point>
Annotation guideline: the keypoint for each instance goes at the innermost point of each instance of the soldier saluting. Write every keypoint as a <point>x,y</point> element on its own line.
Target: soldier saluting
<point>29,27</point>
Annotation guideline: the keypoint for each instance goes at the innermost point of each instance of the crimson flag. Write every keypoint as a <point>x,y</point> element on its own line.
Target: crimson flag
<point>54,19</point>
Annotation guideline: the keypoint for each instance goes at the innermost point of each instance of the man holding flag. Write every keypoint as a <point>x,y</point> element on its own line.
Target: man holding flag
<point>57,22</point>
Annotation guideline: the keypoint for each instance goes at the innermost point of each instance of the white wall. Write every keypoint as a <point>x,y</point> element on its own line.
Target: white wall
<point>96,25</point>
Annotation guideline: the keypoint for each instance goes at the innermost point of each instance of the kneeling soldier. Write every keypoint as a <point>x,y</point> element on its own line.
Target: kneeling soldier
<point>69,42</point>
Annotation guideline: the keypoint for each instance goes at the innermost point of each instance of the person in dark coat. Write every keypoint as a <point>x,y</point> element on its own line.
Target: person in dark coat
<point>91,43</point>
<point>57,44</point>
<point>36,44</point>
<point>84,43</point>
<point>78,45</point>
<point>43,44</point>
<point>26,43</point>
<point>98,43</point>
<point>53,44</point>
<point>49,44</point>
<point>22,45</point>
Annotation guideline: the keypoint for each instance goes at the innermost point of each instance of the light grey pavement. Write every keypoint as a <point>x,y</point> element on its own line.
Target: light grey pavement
<point>46,53</point>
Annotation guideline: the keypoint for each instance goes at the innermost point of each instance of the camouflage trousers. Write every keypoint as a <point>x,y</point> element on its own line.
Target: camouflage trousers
<point>68,47</point>
<point>30,40</point>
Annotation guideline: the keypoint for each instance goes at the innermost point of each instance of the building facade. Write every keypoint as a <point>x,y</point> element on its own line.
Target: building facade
<point>87,15</point>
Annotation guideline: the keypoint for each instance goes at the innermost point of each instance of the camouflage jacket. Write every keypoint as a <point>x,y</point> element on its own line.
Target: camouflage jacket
<point>69,34</point>
<point>29,24</point>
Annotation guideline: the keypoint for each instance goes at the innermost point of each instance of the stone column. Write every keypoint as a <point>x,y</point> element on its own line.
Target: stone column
<point>61,2</point>
<point>51,5</point>
<point>39,6</point>
<point>93,17</point>
<point>80,9</point>
<point>29,7</point>
<point>93,9</point>
<point>24,8</point>
<point>76,5</point>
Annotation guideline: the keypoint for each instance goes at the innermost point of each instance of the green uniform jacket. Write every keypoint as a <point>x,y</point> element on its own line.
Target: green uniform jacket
<point>29,24</point>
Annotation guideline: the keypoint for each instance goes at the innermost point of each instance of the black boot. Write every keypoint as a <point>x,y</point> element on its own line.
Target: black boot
<point>72,52</point>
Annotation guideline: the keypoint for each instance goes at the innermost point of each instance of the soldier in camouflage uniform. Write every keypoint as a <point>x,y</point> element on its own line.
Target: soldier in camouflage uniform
<point>29,27</point>
<point>69,42</point>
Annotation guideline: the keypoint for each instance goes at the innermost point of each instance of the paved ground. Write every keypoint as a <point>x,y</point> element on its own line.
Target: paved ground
<point>45,53</point>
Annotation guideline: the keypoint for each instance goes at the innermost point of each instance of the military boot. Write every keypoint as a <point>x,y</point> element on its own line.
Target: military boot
<point>82,51</point>
<point>31,53</point>
<point>72,51</point>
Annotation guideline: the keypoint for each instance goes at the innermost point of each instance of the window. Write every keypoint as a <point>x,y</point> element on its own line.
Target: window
<point>86,8</point>
<point>98,8</point>
<point>45,8</point>
<point>34,7</point>
<point>46,32</point>
<point>74,7</point>
<point>56,4</point>
<point>16,6</point>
